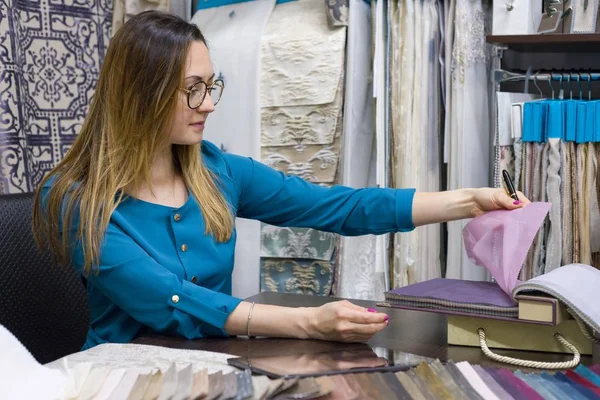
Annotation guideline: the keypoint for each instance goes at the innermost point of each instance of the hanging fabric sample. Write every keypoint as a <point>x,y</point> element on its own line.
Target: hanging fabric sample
<point>381,93</point>
<point>416,101</point>
<point>123,10</point>
<point>506,137</point>
<point>556,146</point>
<point>468,135</point>
<point>356,274</point>
<point>50,58</point>
<point>234,35</point>
<point>181,8</point>
<point>301,101</point>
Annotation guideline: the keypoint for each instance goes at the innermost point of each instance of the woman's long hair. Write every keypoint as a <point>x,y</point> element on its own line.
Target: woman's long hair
<point>128,123</point>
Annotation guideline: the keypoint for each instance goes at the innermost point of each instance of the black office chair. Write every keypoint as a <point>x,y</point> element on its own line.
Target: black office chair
<point>42,304</point>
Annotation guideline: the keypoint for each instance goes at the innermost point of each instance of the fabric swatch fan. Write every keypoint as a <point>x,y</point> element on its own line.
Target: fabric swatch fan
<point>555,312</point>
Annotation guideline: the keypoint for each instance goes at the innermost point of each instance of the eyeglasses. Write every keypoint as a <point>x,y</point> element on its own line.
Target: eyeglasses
<point>197,93</point>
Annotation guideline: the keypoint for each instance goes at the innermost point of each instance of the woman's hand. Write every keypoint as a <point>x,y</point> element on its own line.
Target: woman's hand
<point>345,322</point>
<point>489,199</point>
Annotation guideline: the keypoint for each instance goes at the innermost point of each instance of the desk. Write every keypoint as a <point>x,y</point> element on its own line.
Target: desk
<point>420,333</point>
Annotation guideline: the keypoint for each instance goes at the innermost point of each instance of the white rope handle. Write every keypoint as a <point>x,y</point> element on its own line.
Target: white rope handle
<point>583,327</point>
<point>532,364</point>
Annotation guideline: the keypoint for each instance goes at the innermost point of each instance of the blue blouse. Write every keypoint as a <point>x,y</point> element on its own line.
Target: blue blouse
<point>158,269</point>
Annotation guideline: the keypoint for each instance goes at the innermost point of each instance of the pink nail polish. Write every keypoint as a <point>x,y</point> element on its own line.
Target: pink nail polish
<point>371,310</point>
<point>386,319</point>
<point>516,202</point>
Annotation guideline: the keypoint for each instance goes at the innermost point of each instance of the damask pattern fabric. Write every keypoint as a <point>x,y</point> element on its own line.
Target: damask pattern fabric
<point>50,57</point>
<point>296,243</point>
<point>314,277</point>
<point>337,12</point>
<point>313,163</point>
<point>303,125</point>
<point>302,57</point>
<point>302,77</point>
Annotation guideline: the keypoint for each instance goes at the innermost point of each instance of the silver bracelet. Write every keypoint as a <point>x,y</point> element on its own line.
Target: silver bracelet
<point>249,318</point>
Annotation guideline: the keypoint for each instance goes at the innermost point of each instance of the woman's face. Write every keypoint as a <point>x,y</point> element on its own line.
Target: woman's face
<point>188,124</point>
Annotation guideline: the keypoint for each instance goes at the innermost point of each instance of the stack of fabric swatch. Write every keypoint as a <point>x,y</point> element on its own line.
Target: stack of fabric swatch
<point>432,380</point>
<point>132,371</point>
<point>465,381</point>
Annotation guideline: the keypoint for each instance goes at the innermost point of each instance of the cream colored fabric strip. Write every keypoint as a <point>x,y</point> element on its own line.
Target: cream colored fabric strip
<point>555,237</point>
<point>123,10</point>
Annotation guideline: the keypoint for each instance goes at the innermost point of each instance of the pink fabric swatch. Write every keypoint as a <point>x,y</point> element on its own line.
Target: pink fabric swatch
<point>500,240</point>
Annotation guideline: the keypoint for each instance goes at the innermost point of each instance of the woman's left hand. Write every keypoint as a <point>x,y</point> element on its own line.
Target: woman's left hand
<point>491,199</point>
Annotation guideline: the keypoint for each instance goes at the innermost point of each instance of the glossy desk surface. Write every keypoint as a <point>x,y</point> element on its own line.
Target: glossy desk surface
<point>417,333</point>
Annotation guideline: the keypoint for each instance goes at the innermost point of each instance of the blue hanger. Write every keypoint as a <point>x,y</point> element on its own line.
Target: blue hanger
<point>570,120</point>
<point>596,136</point>
<point>581,122</point>
<point>555,127</point>
<point>535,114</point>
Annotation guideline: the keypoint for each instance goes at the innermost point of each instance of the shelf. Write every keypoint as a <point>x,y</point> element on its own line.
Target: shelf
<point>553,43</point>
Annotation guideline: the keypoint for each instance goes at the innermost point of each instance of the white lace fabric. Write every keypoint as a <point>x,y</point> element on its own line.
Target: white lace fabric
<point>146,358</point>
<point>302,56</point>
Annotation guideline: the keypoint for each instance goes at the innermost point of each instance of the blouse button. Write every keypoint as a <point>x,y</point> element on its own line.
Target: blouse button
<point>194,279</point>
<point>177,217</point>
<point>175,298</point>
<point>184,247</point>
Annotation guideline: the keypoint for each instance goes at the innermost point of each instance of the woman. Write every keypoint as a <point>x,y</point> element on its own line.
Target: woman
<point>145,209</point>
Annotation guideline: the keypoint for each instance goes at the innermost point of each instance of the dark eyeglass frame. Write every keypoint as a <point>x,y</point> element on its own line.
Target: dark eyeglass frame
<point>207,88</point>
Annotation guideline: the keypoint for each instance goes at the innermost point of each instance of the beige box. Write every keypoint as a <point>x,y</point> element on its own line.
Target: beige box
<point>517,334</point>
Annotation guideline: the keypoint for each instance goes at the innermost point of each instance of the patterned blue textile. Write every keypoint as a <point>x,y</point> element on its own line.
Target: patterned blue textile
<point>50,58</point>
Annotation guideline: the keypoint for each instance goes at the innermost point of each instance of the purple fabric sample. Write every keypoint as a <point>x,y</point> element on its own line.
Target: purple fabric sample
<point>507,384</point>
<point>491,383</point>
<point>521,385</point>
<point>457,291</point>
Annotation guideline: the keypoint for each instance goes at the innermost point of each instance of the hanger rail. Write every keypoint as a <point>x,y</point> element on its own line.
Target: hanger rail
<point>501,75</point>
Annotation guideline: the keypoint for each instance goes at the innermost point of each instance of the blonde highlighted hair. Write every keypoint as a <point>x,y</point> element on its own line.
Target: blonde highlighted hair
<point>127,124</point>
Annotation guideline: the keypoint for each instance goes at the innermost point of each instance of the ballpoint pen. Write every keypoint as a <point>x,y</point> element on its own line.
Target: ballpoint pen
<point>510,187</point>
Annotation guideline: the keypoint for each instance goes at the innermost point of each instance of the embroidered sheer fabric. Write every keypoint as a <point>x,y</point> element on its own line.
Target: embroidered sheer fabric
<point>469,123</point>
<point>415,124</point>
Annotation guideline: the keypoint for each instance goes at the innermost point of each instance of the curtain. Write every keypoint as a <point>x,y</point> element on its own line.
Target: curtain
<point>416,121</point>
<point>468,121</point>
<point>234,36</point>
<point>50,58</point>
<point>357,277</point>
